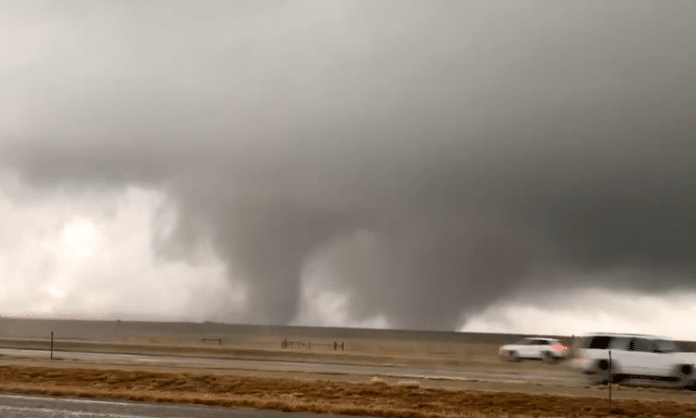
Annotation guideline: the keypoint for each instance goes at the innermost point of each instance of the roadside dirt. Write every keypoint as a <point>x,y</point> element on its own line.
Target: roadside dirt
<point>356,395</point>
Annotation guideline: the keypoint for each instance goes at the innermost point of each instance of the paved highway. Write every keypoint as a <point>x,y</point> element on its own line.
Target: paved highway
<point>318,368</point>
<point>20,406</point>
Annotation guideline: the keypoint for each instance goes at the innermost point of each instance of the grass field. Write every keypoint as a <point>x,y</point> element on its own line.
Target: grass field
<point>381,396</point>
<point>373,397</point>
<point>455,350</point>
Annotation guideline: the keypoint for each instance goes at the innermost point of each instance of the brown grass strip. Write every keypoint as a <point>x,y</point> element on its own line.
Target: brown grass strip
<point>317,396</point>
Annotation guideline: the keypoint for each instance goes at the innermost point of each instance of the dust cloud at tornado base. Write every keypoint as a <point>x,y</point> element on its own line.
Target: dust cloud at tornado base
<point>430,159</point>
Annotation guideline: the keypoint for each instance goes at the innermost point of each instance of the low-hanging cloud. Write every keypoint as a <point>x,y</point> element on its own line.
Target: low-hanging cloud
<point>432,158</point>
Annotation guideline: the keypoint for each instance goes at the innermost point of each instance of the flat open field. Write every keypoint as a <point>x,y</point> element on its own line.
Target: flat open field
<point>373,397</point>
<point>346,346</point>
<point>535,389</point>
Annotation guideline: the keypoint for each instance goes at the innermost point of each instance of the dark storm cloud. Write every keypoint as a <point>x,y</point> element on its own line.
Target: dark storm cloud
<point>479,143</point>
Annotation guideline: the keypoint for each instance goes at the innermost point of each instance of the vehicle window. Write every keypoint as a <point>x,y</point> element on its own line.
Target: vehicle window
<point>543,342</point>
<point>645,345</point>
<point>640,344</point>
<point>522,342</point>
<point>619,343</point>
<point>665,346</point>
<point>600,342</point>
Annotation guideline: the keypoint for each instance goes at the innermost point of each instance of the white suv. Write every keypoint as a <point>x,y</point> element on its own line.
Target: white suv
<point>634,356</point>
<point>547,349</point>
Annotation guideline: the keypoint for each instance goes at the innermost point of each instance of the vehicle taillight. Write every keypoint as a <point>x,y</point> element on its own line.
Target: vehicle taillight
<point>558,347</point>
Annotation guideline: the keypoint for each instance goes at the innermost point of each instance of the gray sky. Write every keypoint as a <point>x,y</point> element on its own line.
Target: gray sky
<point>417,163</point>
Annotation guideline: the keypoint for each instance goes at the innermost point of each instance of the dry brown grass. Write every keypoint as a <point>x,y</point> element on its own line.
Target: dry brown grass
<point>319,396</point>
<point>264,347</point>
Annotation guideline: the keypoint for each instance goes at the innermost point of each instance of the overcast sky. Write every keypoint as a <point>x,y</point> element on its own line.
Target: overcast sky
<point>494,166</point>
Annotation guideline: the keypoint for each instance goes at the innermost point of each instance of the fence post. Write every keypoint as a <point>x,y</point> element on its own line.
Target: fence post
<point>335,345</point>
<point>610,380</point>
<point>342,346</point>
<point>51,345</point>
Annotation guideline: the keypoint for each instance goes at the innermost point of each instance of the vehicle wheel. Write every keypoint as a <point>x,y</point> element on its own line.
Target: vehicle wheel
<point>684,374</point>
<point>549,358</point>
<point>601,373</point>
<point>512,356</point>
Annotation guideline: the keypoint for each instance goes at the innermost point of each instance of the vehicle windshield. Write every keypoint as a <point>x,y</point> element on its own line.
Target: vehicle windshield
<point>522,342</point>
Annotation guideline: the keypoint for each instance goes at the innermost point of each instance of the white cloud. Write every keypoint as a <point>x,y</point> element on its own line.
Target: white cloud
<point>324,302</point>
<point>80,256</point>
<point>592,310</point>
<point>327,308</point>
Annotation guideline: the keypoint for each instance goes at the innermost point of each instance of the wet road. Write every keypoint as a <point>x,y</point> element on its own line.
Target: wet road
<point>318,368</point>
<point>19,406</point>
